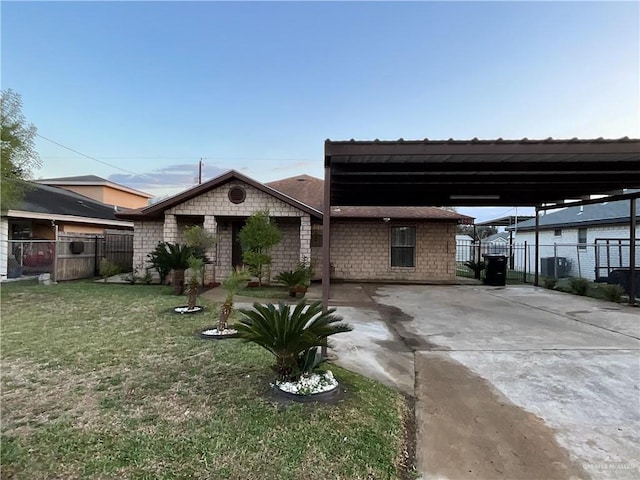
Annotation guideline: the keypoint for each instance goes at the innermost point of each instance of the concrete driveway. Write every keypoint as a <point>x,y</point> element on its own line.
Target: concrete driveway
<point>509,383</point>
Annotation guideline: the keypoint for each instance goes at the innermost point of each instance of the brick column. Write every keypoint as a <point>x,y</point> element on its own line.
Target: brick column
<point>170,230</point>
<point>305,238</point>
<point>211,226</point>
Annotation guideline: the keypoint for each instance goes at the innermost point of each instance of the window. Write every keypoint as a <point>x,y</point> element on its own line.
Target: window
<point>403,246</point>
<point>237,195</point>
<point>557,232</point>
<point>582,238</point>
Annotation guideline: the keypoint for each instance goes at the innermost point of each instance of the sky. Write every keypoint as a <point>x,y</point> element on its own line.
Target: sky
<point>140,92</point>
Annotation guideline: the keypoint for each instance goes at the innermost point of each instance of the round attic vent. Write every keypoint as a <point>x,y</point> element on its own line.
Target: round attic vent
<point>237,195</point>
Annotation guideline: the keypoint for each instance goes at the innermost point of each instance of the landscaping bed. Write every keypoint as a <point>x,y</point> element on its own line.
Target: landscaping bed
<point>103,381</point>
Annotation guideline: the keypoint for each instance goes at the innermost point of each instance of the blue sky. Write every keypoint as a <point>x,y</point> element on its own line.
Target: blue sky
<point>151,87</point>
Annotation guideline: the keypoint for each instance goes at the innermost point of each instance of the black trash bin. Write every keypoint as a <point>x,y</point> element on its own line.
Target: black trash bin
<point>495,270</point>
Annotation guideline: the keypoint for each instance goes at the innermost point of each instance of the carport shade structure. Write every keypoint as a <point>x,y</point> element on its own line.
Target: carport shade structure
<point>535,173</point>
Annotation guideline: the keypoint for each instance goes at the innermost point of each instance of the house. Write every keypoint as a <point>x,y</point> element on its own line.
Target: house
<point>101,190</point>
<point>28,232</point>
<point>414,244</point>
<point>587,241</point>
<point>464,248</point>
<point>496,244</point>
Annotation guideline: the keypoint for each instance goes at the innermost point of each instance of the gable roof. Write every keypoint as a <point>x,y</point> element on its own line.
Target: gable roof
<point>497,237</point>
<point>91,180</point>
<point>304,188</point>
<point>607,213</point>
<point>44,199</point>
<point>310,190</point>
<point>157,210</point>
<point>303,192</point>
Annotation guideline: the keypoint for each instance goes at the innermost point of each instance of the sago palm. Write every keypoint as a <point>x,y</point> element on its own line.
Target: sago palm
<point>289,333</point>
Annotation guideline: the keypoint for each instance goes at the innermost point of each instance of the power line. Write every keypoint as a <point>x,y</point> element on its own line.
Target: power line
<point>93,158</point>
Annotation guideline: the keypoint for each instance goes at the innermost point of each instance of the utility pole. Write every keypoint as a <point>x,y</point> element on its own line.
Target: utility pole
<point>200,171</point>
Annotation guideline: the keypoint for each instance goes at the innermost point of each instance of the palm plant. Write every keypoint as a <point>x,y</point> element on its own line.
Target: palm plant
<point>477,267</point>
<point>236,280</point>
<point>171,256</point>
<point>291,334</point>
<point>291,279</point>
<point>196,266</point>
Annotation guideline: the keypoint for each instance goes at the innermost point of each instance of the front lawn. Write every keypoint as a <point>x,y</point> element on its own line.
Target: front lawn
<point>103,381</point>
<point>273,292</point>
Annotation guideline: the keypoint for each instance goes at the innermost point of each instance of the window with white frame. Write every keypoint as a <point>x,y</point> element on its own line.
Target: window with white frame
<point>403,246</point>
<point>582,238</point>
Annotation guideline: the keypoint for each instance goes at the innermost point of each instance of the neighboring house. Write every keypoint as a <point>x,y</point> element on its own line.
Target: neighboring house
<point>464,248</point>
<point>45,212</point>
<point>496,244</point>
<point>367,243</point>
<point>589,240</point>
<point>101,190</point>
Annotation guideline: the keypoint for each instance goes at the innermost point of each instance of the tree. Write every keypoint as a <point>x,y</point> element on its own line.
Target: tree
<point>18,151</point>
<point>200,240</point>
<point>480,231</point>
<point>257,237</point>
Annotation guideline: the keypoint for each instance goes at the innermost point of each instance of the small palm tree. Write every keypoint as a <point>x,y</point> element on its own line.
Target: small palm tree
<point>171,256</point>
<point>477,267</point>
<point>236,280</point>
<point>291,334</point>
<point>291,279</point>
<point>196,266</point>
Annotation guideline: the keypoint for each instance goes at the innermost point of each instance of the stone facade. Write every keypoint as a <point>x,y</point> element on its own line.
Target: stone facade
<point>361,250</point>
<point>216,209</point>
<point>146,235</point>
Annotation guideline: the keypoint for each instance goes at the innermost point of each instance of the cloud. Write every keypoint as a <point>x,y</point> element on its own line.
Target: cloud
<point>169,178</point>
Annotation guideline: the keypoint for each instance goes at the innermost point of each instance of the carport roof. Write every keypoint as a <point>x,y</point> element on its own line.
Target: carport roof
<point>478,172</point>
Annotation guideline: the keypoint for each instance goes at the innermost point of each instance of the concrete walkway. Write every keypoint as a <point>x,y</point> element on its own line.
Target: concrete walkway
<point>509,383</point>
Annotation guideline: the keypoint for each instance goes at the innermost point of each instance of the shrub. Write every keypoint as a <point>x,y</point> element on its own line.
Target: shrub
<point>257,237</point>
<point>305,267</point>
<point>171,256</point>
<point>613,293</point>
<point>477,267</point>
<point>291,279</point>
<point>579,285</point>
<point>290,334</point>
<point>549,282</point>
<point>108,269</point>
<point>200,241</point>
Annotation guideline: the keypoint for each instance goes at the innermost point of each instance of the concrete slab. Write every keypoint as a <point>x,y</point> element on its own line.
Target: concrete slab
<point>485,318</point>
<point>491,360</point>
<point>373,350</point>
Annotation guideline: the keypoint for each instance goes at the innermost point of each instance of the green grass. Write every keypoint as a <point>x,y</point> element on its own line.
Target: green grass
<point>265,291</point>
<point>102,381</point>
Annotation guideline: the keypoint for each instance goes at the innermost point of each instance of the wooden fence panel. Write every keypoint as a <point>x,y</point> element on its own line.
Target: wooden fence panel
<point>76,255</point>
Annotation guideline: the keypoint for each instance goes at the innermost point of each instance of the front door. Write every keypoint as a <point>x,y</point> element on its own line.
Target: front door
<point>236,248</point>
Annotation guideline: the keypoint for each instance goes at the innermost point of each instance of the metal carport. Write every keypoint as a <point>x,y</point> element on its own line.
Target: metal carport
<point>536,173</point>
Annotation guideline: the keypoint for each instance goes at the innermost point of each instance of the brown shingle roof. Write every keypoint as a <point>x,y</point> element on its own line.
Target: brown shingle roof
<point>310,191</point>
<point>157,209</point>
<point>304,188</point>
<point>401,213</point>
